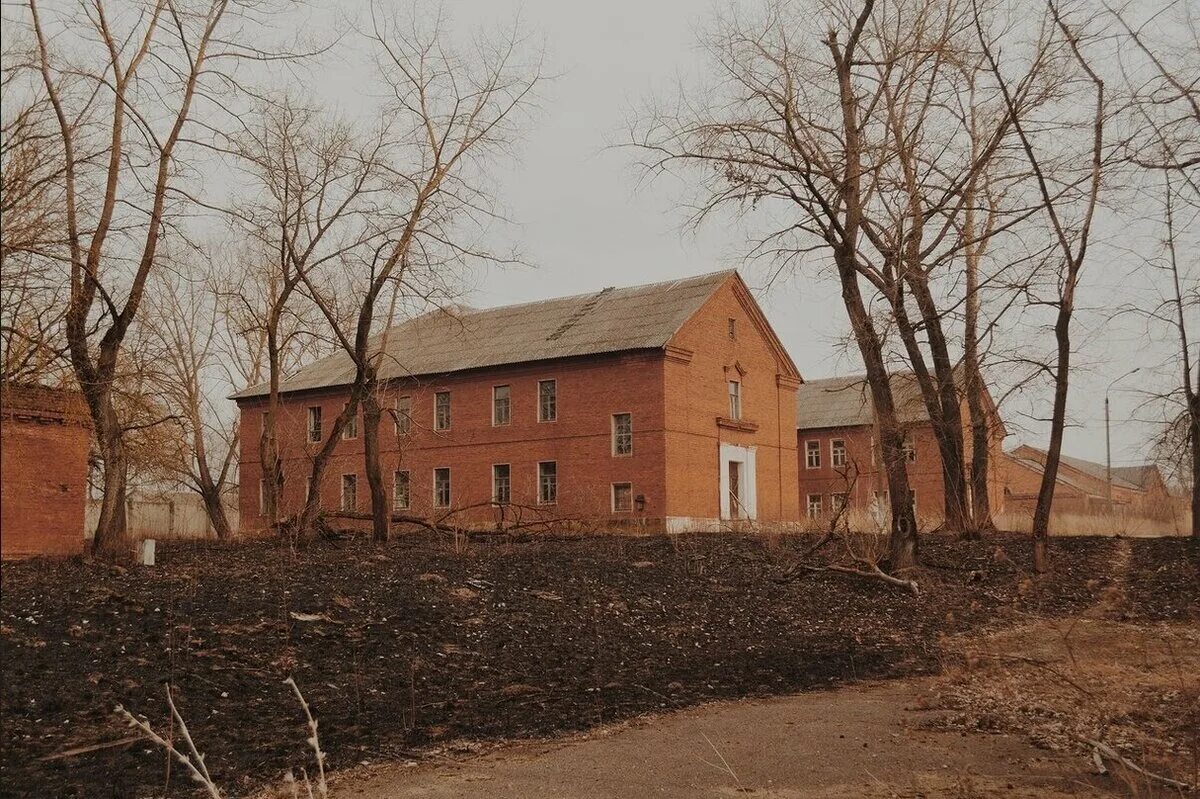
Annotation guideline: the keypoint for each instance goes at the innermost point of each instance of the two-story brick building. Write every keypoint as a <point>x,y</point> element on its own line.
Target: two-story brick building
<point>666,406</point>
<point>838,448</point>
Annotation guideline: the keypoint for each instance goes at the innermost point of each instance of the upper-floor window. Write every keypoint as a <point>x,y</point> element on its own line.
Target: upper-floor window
<point>314,423</point>
<point>622,434</point>
<point>547,400</point>
<point>349,492</point>
<point>441,487</point>
<point>812,454</point>
<point>400,490</point>
<point>814,506</point>
<point>837,452</point>
<point>350,430</point>
<point>441,410</point>
<point>910,450</point>
<point>501,483</point>
<point>622,497</point>
<point>403,415</point>
<point>732,328</point>
<point>501,405</point>
<point>735,399</point>
<point>547,482</point>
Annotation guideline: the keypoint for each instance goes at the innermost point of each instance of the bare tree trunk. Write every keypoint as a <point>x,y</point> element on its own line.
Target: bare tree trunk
<point>1045,498</point>
<point>110,535</point>
<point>312,503</point>
<point>1194,432</point>
<point>981,433</point>
<point>380,511</point>
<point>903,537</point>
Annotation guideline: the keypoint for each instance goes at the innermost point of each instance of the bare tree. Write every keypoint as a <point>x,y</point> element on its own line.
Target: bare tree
<point>454,112</point>
<point>31,301</point>
<point>124,83</point>
<point>1161,81</point>
<point>1069,206</point>
<point>204,353</point>
<point>314,200</point>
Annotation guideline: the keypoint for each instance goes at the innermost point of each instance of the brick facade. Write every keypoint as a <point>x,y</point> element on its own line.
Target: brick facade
<point>674,395</point>
<point>862,461</point>
<point>45,437</point>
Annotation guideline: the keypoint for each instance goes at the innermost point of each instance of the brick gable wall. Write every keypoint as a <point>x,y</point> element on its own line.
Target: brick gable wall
<point>45,437</point>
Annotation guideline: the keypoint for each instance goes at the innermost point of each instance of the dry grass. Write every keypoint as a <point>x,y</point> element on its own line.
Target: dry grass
<point>1113,524</point>
<point>1133,687</point>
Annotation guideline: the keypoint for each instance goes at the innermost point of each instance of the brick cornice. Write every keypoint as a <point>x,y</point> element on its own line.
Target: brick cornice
<point>679,354</point>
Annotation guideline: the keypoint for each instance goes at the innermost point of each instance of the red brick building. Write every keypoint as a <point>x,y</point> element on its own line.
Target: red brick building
<point>1082,486</point>
<point>45,437</point>
<point>838,449</point>
<point>667,406</point>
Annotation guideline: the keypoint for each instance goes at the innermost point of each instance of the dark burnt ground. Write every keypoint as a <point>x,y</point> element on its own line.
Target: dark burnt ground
<point>415,645</point>
<point>1164,580</point>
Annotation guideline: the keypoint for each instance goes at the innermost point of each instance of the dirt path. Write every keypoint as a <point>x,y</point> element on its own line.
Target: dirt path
<point>863,741</point>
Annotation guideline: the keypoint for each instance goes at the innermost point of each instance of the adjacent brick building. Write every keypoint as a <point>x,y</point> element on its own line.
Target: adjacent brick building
<point>1081,486</point>
<point>838,448</point>
<point>45,437</point>
<point>667,406</point>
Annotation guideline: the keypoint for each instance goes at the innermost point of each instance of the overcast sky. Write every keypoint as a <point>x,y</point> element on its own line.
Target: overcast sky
<point>584,222</point>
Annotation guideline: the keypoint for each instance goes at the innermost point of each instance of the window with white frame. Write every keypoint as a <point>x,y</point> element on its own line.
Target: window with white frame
<point>622,434</point>
<point>401,491</point>
<point>501,405</point>
<point>812,454</point>
<point>403,415</point>
<point>349,492</point>
<point>314,423</point>
<point>547,400</point>
<point>838,501</point>
<point>441,487</point>
<point>837,453</point>
<point>735,399</point>
<point>441,410</point>
<point>622,497</point>
<point>814,506</point>
<point>350,430</point>
<point>910,450</point>
<point>547,482</point>
<point>501,483</point>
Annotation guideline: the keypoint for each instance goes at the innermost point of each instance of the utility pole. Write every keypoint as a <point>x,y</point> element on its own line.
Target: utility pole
<point>1108,439</point>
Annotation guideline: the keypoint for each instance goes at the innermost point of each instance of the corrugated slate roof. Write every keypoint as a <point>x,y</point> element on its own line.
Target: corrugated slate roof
<point>606,321</point>
<point>1120,475</point>
<point>846,401</point>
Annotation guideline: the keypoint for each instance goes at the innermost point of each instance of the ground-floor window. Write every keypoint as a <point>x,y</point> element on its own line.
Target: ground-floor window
<point>838,501</point>
<point>501,483</point>
<point>622,497</point>
<point>547,482</point>
<point>400,490</point>
<point>441,487</point>
<point>814,506</point>
<point>349,492</point>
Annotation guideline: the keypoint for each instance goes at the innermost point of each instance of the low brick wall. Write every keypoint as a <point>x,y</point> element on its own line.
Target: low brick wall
<point>45,436</point>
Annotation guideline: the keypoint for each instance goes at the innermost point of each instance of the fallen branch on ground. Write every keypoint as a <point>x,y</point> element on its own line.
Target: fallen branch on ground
<point>1101,750</point>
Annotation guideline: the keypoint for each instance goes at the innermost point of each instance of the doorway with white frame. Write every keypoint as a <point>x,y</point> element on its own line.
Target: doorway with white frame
<point>738,483</point>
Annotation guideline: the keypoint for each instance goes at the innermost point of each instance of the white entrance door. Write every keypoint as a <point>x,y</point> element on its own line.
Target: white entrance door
<point>738,482</point>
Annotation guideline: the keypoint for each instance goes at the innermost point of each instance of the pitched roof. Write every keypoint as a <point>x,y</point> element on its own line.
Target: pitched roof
<point>606,321</point>
<point>846,401</point>
<point>1121,475</point>
<point>1037,467</point>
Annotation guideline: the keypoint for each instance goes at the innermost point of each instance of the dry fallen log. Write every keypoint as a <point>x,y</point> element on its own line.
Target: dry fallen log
<point>1102,751</point>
